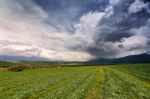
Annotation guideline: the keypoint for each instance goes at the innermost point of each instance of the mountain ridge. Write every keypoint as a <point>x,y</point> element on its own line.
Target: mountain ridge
<point>21,58</point>
<point>141,58</point>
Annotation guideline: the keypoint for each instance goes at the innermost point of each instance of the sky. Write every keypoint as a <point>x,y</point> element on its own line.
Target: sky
<point>74,30</point>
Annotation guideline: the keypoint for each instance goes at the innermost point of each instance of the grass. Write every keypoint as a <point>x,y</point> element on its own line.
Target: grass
<point>95,82</point>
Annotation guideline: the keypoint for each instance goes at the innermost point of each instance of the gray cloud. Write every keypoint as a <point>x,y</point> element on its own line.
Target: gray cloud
<point>115,36</point>
<point>74,30</point>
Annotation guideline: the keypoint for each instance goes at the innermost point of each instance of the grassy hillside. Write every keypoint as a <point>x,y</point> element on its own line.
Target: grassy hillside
<point>103,82</point>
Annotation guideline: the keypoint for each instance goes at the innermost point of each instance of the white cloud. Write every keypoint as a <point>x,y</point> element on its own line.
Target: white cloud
<point>113,2</point>
<point>137,6</point>
<point>109,11</point>
<point>134,42</point>
<point>87,27</point>
<point>36,38</point>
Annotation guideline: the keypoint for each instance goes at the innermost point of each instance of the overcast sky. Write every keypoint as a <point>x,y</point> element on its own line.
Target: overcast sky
<point>74,30</point>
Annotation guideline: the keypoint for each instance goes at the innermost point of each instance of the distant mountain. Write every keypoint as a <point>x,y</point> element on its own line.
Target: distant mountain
<point>21,58</point>
<point>141,58</point>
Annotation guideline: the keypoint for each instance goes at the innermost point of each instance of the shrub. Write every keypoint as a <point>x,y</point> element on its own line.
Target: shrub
<point>16,69</point>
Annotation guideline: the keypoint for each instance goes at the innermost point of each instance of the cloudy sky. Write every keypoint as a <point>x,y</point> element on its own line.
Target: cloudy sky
<point>74,30</point>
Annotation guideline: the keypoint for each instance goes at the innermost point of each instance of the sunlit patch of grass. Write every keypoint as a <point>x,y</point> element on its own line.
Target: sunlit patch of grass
<point>96,91</point>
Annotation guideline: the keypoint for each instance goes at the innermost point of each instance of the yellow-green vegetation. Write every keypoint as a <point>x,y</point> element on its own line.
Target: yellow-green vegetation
<point>92,82</point>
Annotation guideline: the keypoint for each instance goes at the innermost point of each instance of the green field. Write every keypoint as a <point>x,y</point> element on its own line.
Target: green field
<point>92,82</point>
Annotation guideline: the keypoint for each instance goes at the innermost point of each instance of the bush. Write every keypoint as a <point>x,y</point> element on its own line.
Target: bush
<point>16,69</point>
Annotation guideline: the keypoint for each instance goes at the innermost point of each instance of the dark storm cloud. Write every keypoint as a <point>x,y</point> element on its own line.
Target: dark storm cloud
<point>118,27</point>
<point>117,36</point>
<point>146,1</point>
<point>101,50</point>
<point>55,6</point>
<point>67,12</point>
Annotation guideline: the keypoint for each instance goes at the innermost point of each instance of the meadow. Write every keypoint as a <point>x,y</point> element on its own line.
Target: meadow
<point>86,82</point>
